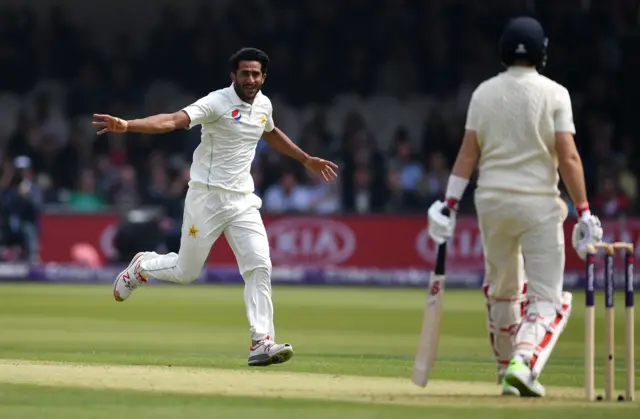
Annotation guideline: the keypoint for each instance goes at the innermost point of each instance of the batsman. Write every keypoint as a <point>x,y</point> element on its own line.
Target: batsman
<point>519,134</point>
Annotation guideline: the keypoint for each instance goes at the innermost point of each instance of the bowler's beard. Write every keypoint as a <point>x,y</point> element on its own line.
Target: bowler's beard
<point>240,92</point>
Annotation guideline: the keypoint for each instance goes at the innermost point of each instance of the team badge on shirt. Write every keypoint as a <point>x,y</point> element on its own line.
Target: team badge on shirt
<point>193,231</point>
<point>235,114</point>
<point>263,119</point>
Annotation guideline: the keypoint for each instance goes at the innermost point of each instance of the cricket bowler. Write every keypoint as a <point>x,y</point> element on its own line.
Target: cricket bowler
<point>220,196</point>
<point>519,133</point>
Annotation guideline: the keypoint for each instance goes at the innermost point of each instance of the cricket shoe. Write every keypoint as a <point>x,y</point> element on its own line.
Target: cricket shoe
<point>519,375</point>
<point>266,352</point>
<point>507,389</point>
<point>129,279</point>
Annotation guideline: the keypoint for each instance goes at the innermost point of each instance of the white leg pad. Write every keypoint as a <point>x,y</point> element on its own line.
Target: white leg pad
<point>503,318</point>
<point>540,329</point>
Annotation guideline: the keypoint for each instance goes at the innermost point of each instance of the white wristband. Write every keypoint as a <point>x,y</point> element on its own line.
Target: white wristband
<point>456,187</point>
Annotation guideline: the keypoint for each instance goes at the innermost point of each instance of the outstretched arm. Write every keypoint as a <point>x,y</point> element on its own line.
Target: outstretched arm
<point>156,124</point>
<point>205,109</point>
<point>283,144</point>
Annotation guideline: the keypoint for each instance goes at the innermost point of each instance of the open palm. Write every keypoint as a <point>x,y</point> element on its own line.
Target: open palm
<point>110,123</point>
<point>322,167</point>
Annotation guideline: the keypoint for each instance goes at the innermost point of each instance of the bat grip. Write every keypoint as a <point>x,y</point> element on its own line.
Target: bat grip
<point>441,257</point>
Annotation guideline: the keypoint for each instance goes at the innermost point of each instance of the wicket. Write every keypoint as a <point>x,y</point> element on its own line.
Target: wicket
<point>610,250</point>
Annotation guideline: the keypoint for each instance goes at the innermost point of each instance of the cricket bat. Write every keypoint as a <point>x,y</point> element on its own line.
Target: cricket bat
<point>430,333</point>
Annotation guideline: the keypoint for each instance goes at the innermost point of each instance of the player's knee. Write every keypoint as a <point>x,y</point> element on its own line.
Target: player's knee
<point>187,274</point>
<point>260,272</point>
<point>266,266</point>
<point>257,263</point>
<point>505,293</point>
<point>541,291</point>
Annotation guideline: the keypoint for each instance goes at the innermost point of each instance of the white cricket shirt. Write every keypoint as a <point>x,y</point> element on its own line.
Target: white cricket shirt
<point>516,115</point>
<point>231,129</point>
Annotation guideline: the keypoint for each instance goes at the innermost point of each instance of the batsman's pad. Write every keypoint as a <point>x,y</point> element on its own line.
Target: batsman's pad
<point>503,318</point>
<point>540,330</point>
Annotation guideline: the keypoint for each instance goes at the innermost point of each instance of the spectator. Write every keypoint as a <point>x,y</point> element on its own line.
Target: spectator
<point>86,196</point>
<point>324,198</point>
<point>257,173</point>
<point>610,200</point>
<point>124,194</point>
<point>287,196</point>
<point>21,205</point>
<point>360,151</point>
<point>52,124</point>
<point>166,193</point>
<point>363,195</point>
<point>410,171</point>
<point>434,182</point>
<point>55,72</point>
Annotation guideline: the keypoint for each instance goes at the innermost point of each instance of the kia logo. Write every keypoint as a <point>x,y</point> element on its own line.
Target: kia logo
<point>310,241</point>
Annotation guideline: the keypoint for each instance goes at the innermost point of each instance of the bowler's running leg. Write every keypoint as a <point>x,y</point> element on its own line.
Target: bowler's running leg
<point>207,215</point>
<point>247,237</point>
<point>203,222</point>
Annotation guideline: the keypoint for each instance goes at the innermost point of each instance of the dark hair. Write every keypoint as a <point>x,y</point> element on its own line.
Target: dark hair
<point>249,54</point>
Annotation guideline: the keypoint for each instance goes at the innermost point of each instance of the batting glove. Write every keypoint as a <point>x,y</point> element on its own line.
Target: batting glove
<point>587,231</point>
<point>441,226</point>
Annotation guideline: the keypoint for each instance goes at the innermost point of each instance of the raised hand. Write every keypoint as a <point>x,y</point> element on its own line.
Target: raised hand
<point>110,123</point>
<point>322,167</point>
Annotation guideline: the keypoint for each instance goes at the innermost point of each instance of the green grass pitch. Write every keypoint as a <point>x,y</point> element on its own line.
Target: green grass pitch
<point>70,351</point>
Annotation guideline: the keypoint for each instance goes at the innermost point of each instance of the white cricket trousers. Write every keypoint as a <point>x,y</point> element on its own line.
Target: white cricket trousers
<point>522,235</point>
<point>209,212</point>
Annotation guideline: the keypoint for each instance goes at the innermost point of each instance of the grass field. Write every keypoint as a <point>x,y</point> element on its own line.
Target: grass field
<point>70,351</point>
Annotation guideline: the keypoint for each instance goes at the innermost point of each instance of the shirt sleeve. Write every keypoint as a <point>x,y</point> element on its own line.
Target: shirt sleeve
<point>269,125</point>
<point>563,116</point>
<point>205,110</point>
<point>473,116</point>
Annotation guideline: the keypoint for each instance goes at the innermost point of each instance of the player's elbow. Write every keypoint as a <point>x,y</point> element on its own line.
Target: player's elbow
<point>177,120</point>
<point>568,155</point>
<point>570,159</point>
<point>569,163</point>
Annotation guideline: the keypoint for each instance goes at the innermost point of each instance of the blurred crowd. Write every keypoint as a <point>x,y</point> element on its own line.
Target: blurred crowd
<point>52,79</point>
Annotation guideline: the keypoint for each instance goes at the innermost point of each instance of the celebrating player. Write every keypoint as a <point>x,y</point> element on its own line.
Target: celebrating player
<point>220,197</point>
<point>519,133</point>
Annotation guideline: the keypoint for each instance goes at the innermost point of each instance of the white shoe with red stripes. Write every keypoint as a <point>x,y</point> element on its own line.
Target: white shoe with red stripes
<point>130,278</point>
<point>266,352</point>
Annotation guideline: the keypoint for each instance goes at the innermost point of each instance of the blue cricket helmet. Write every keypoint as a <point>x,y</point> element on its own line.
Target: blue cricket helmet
<point>523,39</point>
